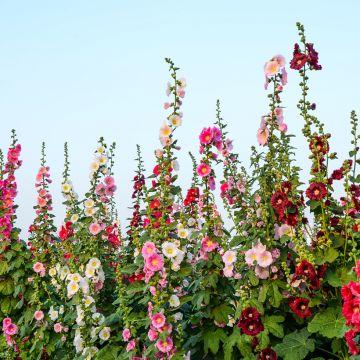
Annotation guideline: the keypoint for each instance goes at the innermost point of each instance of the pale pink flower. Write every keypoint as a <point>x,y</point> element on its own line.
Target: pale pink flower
<point>251,256</point>
<point>39,177</point>
<point>94,228</point>
<point>284,77</point>
<point>166,105</point>
<point>152,335</point>
<point>130,346</point>
<point>264,259</point>
<point>153,290</point>
<point>228,271</point>
<point>148,249</point>
<point>262,273</point>
<point>271,68</point>
<point>164,345</point>
<point>283,128</point>
<point>280,59</point>
<point>207,245</point>
<point>158,320</point>
<point>38,315</point>
<point>203,169</point>
<point>57,328</point>
<point>263,136</point>
<point>154,262</point>
<point>126,334</point>
<point>38,267</point>
<point>229,257</point>
<point>42,192</point>
<point>278,112</point>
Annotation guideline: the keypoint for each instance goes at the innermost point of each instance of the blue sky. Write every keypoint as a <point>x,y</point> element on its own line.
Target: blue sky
<point>76,70</point>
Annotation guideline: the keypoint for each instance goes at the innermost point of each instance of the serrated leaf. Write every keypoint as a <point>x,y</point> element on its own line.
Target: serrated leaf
<point>295,346</point>
<point>329,323</point>
<point>271,323</point>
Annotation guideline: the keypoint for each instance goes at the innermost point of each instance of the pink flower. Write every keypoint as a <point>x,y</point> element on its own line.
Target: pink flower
<point>283,128</point>
<point>11,329</point>
<point>228,271</point>
<point>154,262</point>
<point>126,334</point>
<point>203,169</point>
<point>57,328</point>
<point>38,267</point>
<point>38,315</point>
<point>207,245</point>
<point>284,77</point>
<point>6,322</point>
<point>206,136</point>
<point>280,59</point>
<point>148,249</point>
<point>100,189</point>
<point>263,136</point>
<point>166,105</point>
<point>211,183</point>
<point>109,181</point>
<point>229,257</point>
<point>152,335</point>
<point>158,320</point>
<point>41,201</point>
<point>130,346</point>
<point>250,256</point>
<point>264,259</point>
<point>271,68</point>
<point>94,228</point>
<point>164,345</point>
<point>262,273</point>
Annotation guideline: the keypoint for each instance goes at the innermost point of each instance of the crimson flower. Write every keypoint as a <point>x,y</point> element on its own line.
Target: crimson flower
<point>313,57</point>
<point>300,306</point>
<point>349,336</point>
<point>299,59</point>
<point>250,313</point>
<point>267,354</point>
<point>305,269</point>
<point>316,191</point>
<point>251,327</point>
<point>279,200</point>
<point>319,145</point>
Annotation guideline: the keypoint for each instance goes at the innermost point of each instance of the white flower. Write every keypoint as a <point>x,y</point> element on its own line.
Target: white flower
<point>72,288</point>
<point>74,277</point>
<point>100,149</point>
<point>65,188</point>
<point>179,257</point>
<point>169,249</point>
<point>88,300</point>
<point>183,233</point>
<point>94,263</point>
<point>104,333</point>
<point>102,160</point>
<point>84,285</point>
<point>175,165</point>
<point>52,272</point>
<point>191,222</point>
<point>89,272</point>
<point>174,301</point>
<point>136,253</point>
<point>78,343</point>
<point>175,120</point>
<point>98,318</point>
<point>74,218</point>
<point>175,267</point>
<point>53,314</point>
<point>90,211</point>
<point>61,309</point>
<point>89,203</point>
<point>178,316</point>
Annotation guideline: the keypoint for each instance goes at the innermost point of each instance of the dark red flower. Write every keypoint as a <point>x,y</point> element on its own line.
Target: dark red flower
<point>279,200</point>
<point>250,313</point>
<point>305,269</point>
<point>251,327</point>
<point>286,186</point>
<point>299,59</point>
<point>338,174</point>
<point>316,191</point>
<point>319,145</point>
<point>321,271</point>
<point>267,354</point>
<point>313,57</point>
<point>154,204</point>
<point>300,306</point>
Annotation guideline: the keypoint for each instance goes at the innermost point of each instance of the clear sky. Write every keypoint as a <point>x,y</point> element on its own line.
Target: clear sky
<point>76,70</point>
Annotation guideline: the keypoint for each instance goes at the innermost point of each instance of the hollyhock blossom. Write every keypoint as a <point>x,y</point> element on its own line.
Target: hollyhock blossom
<point>271,68</point>
<point>349,337</point>
<point>126,334</point>
<point>174,301</point>
<point>94,228</point>
<point>203,169</point>
<point>207,245</point>
<point>169,249</point>
<point>264,259</point>
<point>57,328</point>
<point>164,345</point>
<point>316,191</point>
<point>267,354</point>
<point>38,315</point>
<point>262,272</point>
<point>154,262</point>
<point>300,306</point>
<point>152,335</point>
<point>130,346</point>
<point>158,320</point>
<point>229,257</point>
<point>263,136</point>
<point>206,136</point>
<point>38,267</point>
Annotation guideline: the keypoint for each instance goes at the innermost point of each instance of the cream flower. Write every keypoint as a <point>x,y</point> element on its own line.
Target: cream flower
<point>72,288</point>
<point>65,188</point>
<point>89,203</point>
<point>169,249</point>
<point>165,131</point>
<point>74,218</point>
<point>89,272</point>
<point>90,211</point>
<point>53,314</point>
<point>183,233</point>
<point>100,149</point>
<point>104,333</point>
<point>174,301</point>
<point>94,263</point>
<point>102,159</point>
<point>52,272</point>
<point>88,300</point>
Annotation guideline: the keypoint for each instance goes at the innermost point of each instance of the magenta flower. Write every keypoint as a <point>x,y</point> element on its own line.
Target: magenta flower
<point>207,245</point>
<point>206,136</point>
<point>158,320</point>
<point>203,169</point>
<point>154,262</point>
<point>130,346</point>
<point>164,345</point>
<point>126,334</point>
<point>152,335</point>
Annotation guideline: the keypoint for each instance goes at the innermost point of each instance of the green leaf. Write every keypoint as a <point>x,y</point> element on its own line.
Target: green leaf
<point>271,323</point>
<point>212,340</point>
<point>254,280</point>
<point>3,267</point>
<point>329,323</point>
<point>295,346</point>
<point>329,255</point>
<point>339,278</point>
<point>275,295</point>
<point>262,293</point>
<point>221,313</point>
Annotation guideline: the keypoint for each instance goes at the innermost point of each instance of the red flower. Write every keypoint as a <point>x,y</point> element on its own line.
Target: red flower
<point>286,186</point>
<point>349,336</point>
<point>279,200</point>
<point>154,204</point>
<point>267,354</point>
<point>63,233</point>
<point>337,174</point>
<point>316,191</point>
<point>300,307</point>
<point>250,313</point>
<point>251,327</point>
<point>305,269</point>
<point>299,59</point>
